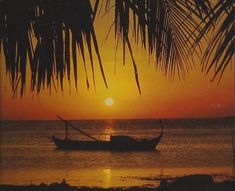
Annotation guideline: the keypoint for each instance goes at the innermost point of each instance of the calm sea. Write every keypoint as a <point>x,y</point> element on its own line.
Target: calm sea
<point>188,146</point>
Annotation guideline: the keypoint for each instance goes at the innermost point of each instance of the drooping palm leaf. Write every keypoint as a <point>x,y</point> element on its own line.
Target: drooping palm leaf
<point>166,28</point>
<point>48,32</point>
<point>16,39</point>
<point>220,50</point>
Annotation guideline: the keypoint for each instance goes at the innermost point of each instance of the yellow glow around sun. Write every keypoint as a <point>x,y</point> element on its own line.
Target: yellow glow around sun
<point>108,101</point>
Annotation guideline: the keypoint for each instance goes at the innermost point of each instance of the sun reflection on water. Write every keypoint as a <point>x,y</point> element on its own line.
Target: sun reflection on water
<point>108,131</point>
<point>107,177</point>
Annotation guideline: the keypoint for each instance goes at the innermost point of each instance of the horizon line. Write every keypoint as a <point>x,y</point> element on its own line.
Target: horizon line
<point>101,119</point>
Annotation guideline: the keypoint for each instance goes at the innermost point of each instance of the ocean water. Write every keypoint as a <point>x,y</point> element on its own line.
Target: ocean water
<point>188,146</point>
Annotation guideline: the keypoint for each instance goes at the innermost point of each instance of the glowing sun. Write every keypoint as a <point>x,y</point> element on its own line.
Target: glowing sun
<point>108,101</point>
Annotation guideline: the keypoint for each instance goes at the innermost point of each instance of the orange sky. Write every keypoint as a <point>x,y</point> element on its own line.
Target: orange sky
<point>196,96</point>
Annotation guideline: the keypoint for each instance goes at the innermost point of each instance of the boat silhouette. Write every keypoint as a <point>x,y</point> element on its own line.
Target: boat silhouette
<point>116,143</point>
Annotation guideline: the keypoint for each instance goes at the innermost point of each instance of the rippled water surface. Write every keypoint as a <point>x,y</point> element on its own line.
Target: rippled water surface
<point>188,146</point>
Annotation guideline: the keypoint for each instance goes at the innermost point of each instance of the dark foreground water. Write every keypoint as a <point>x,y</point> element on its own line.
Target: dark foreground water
<point>188,146</point>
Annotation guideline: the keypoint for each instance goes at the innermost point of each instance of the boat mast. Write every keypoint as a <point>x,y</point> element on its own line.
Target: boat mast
<point>161,123</point>
<point>66,131</point>
<point>82,132</point>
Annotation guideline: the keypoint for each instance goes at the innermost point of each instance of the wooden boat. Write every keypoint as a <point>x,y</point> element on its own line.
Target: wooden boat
<point>116,143</point>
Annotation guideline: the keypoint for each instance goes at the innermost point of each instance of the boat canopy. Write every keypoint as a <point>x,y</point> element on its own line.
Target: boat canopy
<point>121,138</point>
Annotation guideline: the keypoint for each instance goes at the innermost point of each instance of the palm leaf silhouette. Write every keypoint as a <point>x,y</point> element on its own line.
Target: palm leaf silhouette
<point>166,28</point>
<point>220,50</point>
<point>47,33</point>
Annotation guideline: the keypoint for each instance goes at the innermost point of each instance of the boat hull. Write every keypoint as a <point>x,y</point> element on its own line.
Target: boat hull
<point>136,145</point>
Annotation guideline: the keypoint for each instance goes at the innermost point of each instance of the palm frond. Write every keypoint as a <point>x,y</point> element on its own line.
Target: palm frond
<point>220,50</point>
<point>47,33</point>
<point>166,28</point>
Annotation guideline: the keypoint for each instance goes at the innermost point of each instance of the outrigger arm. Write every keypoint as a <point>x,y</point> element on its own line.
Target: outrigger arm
<point>82,132</point>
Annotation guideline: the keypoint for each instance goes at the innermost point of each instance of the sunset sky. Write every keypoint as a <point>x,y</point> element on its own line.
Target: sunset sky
<point>195,96</point>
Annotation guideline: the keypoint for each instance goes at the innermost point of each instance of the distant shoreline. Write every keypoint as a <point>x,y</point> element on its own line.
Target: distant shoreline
<point>229,117</point>
<point>196,182</point>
